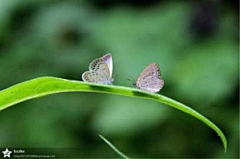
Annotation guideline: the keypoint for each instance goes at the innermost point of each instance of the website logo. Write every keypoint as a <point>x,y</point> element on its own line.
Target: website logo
<point>6,153</point>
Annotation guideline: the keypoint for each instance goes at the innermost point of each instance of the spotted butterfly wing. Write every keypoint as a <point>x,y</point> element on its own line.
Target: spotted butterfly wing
<point>99,71</point>
<point>150,79</point>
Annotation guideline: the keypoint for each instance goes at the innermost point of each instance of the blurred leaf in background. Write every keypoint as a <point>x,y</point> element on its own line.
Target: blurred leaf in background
<point>194,42</point>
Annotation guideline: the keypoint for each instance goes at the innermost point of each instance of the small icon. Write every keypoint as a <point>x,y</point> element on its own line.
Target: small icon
<point>6,153</point>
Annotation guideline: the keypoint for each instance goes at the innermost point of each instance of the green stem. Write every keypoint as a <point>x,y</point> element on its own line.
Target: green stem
<point>114,148</point>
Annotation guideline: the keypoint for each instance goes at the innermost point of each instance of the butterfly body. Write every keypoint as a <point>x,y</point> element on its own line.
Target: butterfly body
<point>150,79</point>
<point>100,70</point>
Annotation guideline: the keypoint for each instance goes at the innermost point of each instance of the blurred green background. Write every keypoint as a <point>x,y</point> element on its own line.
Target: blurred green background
<point>194,42</point>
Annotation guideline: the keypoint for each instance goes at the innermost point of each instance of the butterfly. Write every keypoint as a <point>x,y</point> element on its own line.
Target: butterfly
<point>150,79</point>
<point>100,70</point>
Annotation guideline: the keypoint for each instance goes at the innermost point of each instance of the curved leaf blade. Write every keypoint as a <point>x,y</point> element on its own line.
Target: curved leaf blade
<point>43,86</point>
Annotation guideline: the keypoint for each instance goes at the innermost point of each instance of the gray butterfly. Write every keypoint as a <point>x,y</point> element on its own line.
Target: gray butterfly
<point>100,70</point>
<point>150,79</point>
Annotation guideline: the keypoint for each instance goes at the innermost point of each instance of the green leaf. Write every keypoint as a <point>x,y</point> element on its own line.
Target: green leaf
<point>50,85</point>
<point>114,148</point>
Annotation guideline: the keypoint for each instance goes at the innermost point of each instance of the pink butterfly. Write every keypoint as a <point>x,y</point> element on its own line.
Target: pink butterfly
<point>150,79</point>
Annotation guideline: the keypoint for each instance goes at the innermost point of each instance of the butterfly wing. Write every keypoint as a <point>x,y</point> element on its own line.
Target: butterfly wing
<point>108,60</point>
<point>99,65</point>
<point>150,79</point>
<point>99,72</point>
<point>94,77</point>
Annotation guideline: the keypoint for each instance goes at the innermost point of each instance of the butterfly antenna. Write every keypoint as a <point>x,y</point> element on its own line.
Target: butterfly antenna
<point>132,79</point>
